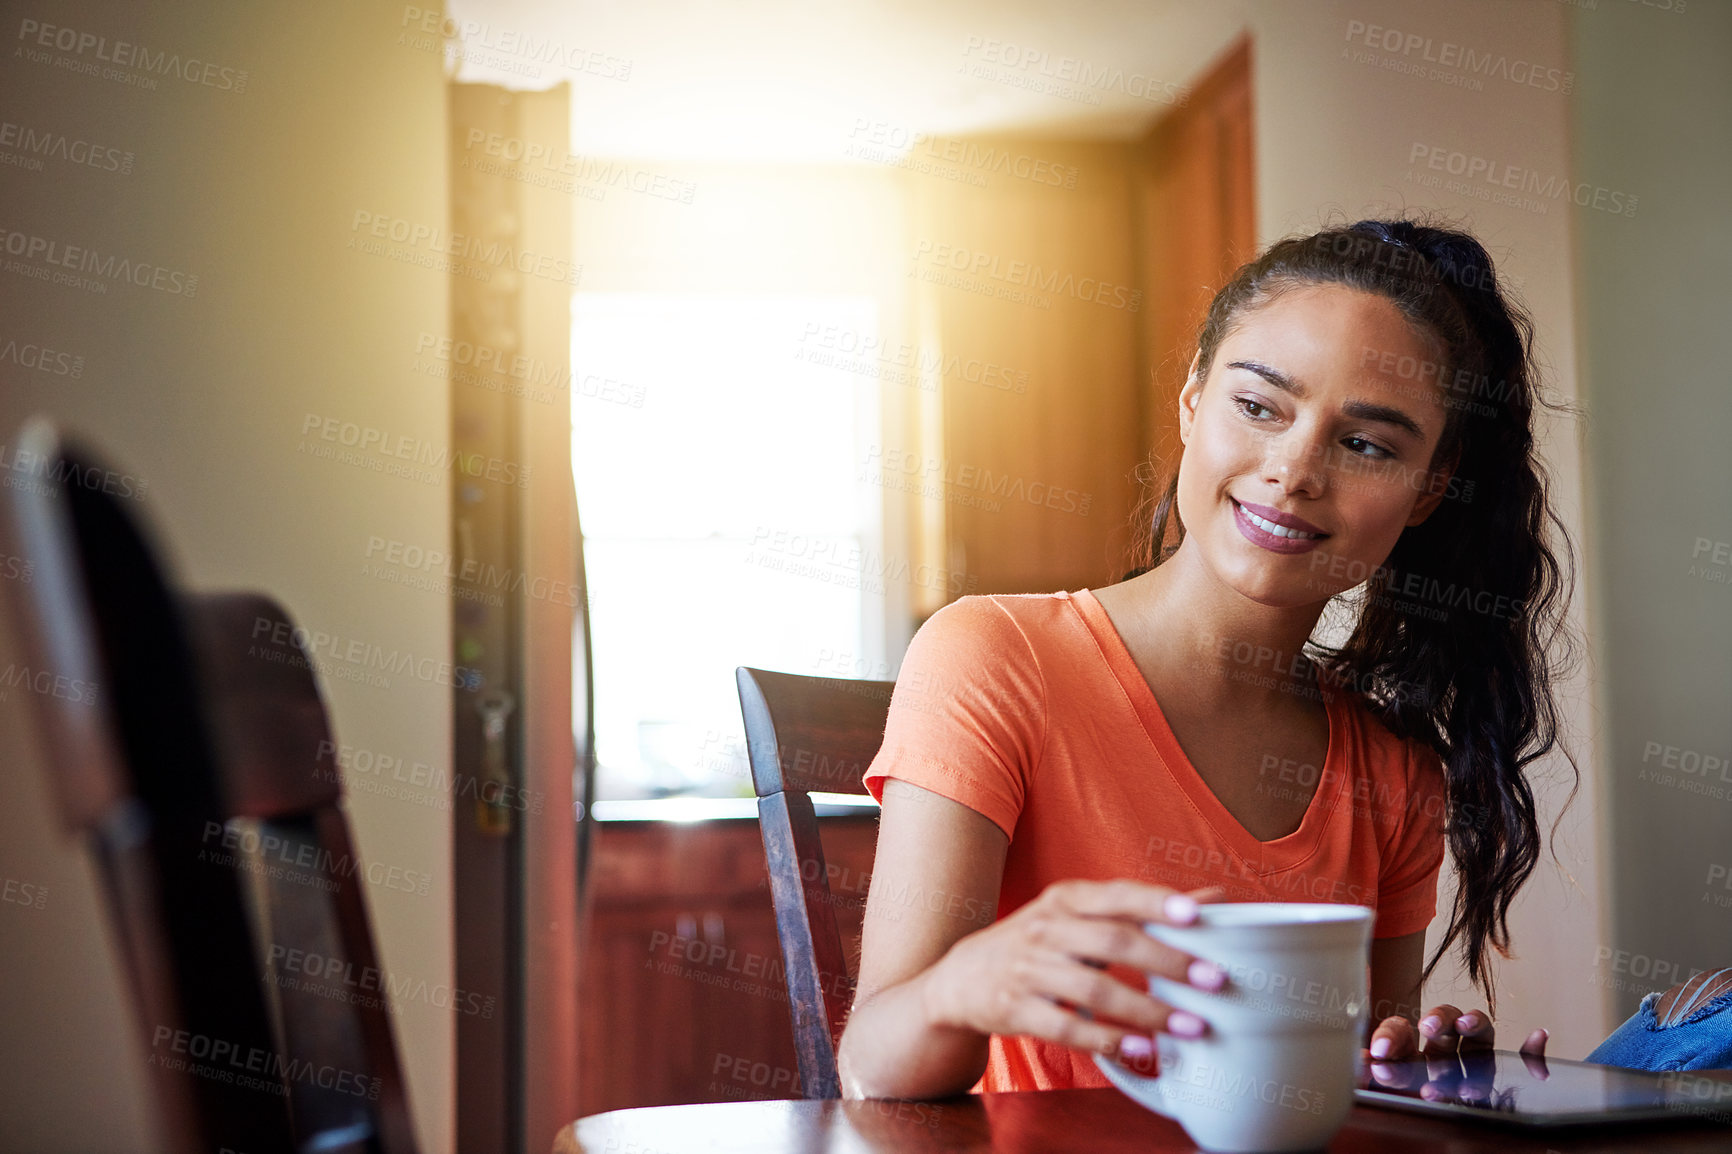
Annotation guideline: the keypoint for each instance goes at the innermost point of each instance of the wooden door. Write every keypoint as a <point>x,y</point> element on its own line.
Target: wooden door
<point>1196,223</point>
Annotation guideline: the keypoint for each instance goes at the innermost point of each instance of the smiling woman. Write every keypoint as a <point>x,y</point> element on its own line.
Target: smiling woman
<point>1393,320</point>
<point>1100,760</point>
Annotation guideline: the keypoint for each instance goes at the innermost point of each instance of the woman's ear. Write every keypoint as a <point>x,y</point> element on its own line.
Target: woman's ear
<point>1189,395</point>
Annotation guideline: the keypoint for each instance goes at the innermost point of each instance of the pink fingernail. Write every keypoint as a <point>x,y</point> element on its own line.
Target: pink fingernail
<point>1181,908</point>
<point>1467,1022</point>
<point>1184,1025</point>
<point>1205,975</point>
<point>1380,1048</point>
<point>1432,1024</point>
<point>1136,1047</point>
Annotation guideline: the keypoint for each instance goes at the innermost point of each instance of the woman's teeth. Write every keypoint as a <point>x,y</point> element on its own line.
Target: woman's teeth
<point>1277,530</point>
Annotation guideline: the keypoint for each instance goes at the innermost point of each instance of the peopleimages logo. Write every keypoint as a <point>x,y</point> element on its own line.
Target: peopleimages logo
<point>944,474</point>
<point>437,242</point>
<point>1454,62</point>
<point>1024,274</point>
<point>280,642</point>
<point>250,1067</point>
<point>83,259</point>
<point>474,38</point>
<point>532,162</point>
<point>123,54</point>
<point>41,358</point>
<point>377,448</point>
<point>35,144</point>
<point>1500,175</point>
<point>1070,77</point>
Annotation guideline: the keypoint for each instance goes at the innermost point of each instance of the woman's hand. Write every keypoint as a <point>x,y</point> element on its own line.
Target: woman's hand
<point>1457,1048</point>
<point>1040,971</point>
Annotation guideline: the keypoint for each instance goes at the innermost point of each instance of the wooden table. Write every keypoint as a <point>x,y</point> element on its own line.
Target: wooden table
<point>1063,1120</point>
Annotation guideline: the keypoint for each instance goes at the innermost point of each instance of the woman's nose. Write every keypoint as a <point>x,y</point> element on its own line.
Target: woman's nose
<point>1297,465</point>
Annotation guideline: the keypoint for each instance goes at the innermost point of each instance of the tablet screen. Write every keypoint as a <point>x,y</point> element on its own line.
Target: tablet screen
<point>1504,1086</point>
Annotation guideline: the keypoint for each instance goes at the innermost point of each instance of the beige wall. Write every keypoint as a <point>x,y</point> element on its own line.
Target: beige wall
<point>1655,120</point>
<point>205,396</point>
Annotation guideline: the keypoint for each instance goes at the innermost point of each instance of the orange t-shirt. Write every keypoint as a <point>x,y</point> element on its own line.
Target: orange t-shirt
<point>1029,709</point>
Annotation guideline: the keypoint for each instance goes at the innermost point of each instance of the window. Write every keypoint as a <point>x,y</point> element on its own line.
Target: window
<point>718,470</point>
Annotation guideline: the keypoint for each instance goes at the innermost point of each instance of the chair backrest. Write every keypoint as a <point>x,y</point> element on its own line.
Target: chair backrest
<point>281,770</point>
<point>201,764</point>
<point>132,766</point>
<point>808,735</point>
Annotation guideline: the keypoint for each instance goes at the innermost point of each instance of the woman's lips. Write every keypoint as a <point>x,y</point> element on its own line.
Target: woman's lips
<point>1266,537</point>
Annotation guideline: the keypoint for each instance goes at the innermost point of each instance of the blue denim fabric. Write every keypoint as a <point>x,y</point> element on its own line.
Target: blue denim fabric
<point>1702,1041</point>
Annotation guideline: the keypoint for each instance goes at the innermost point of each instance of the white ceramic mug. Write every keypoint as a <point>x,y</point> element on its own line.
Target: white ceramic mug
<point>1275,1069</point>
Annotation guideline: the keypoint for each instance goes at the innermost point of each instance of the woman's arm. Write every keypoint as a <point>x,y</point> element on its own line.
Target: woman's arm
<point>938,974</point>
<point>932,852</point>
<point>1396,964</point>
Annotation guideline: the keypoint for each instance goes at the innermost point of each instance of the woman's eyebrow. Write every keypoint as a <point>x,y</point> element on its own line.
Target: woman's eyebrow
<point>1359,410</point>
<point>1367,411</point>
<point>1271,374</point>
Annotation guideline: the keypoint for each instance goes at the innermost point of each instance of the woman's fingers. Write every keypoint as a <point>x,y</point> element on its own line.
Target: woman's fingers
<point>1437,1030</point>
<point>1042,1016</point>
<point>1042,972</point>
<point>1474,1031</point>
<point>1533,1054</point>
<point>1039,1018</point>
<point>1136,901</point>
<point>1099,940</point>
<point>1098,992</point>
<point>1393,1042</point>
<point>1394,1039</point>
<point>1102,922</point>
<point>1458,1052</point>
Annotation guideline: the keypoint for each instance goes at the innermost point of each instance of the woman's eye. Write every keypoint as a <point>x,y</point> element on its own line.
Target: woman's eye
<point>1253,409</point>
<point>1366,448</point>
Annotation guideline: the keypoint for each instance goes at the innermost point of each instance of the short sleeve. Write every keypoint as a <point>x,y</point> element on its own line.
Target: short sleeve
<point>967,717</point>
<point>1407,880</point>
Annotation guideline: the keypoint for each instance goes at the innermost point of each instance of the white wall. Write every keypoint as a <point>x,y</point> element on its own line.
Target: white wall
<point>205,396</point>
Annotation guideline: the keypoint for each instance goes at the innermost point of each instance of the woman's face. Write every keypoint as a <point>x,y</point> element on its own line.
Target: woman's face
<point>1306,454</point>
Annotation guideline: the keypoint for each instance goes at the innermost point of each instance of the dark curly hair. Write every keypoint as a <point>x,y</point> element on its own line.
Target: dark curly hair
<point>1468,668</point>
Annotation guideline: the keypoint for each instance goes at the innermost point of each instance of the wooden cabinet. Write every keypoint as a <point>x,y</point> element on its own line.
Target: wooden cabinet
<point>681,992</point>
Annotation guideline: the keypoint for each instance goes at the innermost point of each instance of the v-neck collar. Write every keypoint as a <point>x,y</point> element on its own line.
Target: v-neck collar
<point>1263,856</point>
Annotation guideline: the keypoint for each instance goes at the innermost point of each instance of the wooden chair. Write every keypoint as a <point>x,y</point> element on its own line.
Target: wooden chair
<point>182,728</point>
<point>133,768</point>
<point>808,735</point>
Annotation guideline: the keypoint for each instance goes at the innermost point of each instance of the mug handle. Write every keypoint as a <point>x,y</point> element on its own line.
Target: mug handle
<point>1141,1088</point>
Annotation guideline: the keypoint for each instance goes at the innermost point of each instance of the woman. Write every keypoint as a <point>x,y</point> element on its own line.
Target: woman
<point>1058,769</point>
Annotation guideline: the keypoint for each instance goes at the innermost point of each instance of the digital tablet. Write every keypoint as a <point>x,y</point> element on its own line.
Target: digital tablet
<point>1506,1087</point>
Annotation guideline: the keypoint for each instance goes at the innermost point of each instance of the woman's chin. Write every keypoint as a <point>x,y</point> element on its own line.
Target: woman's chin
<point>1279,599</point>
